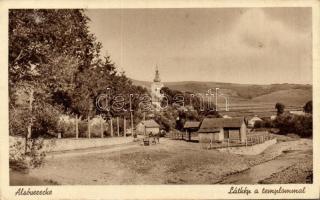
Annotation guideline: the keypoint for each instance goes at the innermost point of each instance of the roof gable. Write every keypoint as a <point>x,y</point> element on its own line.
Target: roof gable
<point>150,123</point>
<point>191,124</point>
<point>214,124</point>
<point>255,118</point>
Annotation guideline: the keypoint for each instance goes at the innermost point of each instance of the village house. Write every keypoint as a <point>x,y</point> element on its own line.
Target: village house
<point>148,126</point>
<point>253,120</point>
<point>297,112</point>
<point>220,129</point>
<point>273,117</point>
<point>190,127</point>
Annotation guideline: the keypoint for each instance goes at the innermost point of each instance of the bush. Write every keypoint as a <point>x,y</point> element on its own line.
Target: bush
<point>17,156</point>
<point>36,153</point>
<point>18,122</point>
<point>83,128</point>
<point>267,123</point>
<point>44,125</point>
<point>166,119</point>
<point>258,124</point>
<point>19,160</point>
<point>301,125</point>
<point>67,129</point>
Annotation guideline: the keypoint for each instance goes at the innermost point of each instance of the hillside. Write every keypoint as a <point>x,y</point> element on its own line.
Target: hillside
<point>290,94</point>
<point>288,97</point>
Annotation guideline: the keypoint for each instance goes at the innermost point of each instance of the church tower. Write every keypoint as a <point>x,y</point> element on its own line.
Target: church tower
<point>155,89</point>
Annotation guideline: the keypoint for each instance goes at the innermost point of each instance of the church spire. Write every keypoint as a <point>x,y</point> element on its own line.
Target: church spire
<point>157,76</point>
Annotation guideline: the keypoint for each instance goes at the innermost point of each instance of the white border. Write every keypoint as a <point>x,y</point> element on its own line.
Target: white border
<point>151,191</point>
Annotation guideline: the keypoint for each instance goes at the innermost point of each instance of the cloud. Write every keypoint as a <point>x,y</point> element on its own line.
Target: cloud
<point>255,32</point>
<point>253,45</point>
<point>260,45</point>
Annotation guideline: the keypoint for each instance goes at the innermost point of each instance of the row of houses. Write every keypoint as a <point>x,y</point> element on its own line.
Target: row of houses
<point>213,129</point>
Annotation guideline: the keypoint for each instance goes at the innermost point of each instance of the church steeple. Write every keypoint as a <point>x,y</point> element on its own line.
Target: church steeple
<point>157,76</point>
<point>156,86</point>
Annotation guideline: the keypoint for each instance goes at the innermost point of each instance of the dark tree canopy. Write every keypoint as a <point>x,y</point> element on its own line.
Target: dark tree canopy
<point>308,107</point>
<point>47,49</point>
<point>280,108</point>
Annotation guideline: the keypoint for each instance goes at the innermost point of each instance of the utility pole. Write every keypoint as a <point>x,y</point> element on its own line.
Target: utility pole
<point>131,115</point>
<point>28,135</point>
<point>227,103</point>
<point>217,99</point>
<point>89,128</point>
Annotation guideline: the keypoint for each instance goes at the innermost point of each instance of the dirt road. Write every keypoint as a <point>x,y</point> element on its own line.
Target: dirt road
<point>175,162</point>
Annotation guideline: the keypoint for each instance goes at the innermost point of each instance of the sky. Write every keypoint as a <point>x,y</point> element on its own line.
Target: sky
<point>237,45</point>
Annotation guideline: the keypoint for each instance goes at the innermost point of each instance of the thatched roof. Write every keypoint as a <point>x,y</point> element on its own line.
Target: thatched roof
<point>191,124</point>
<point>214,124</point>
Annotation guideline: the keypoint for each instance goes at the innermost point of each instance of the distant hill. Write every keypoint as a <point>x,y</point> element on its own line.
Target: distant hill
<point>288,97</point>
<point>293,94</point>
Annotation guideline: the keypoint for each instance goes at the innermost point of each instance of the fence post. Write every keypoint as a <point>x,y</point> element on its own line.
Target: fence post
<point>246,142</point>
<point>118,127</point>
<point>111,127</point>
<point>101,126</point>
<point>124,127</point>
<point>89,130</point>
<point>77,129</point>
<point>186,133</point>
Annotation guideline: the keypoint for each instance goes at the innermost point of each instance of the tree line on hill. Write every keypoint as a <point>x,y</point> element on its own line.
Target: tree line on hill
<point>290,123</point>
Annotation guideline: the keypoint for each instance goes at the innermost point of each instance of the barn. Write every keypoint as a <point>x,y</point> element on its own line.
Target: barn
<point>220,129</point>
<point>148,126</point>
<point>190,127</point>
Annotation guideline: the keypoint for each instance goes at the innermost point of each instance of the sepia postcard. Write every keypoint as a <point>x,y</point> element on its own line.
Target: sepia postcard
<point>160,99</point>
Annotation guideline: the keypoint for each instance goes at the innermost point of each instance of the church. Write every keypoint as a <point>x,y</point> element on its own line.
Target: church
<point>156,86</point>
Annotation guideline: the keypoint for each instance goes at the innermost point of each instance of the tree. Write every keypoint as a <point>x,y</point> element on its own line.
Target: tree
<point>280,108</point>
<point>46,49</point>
<point>308,107</point>
<point>300,125</point>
